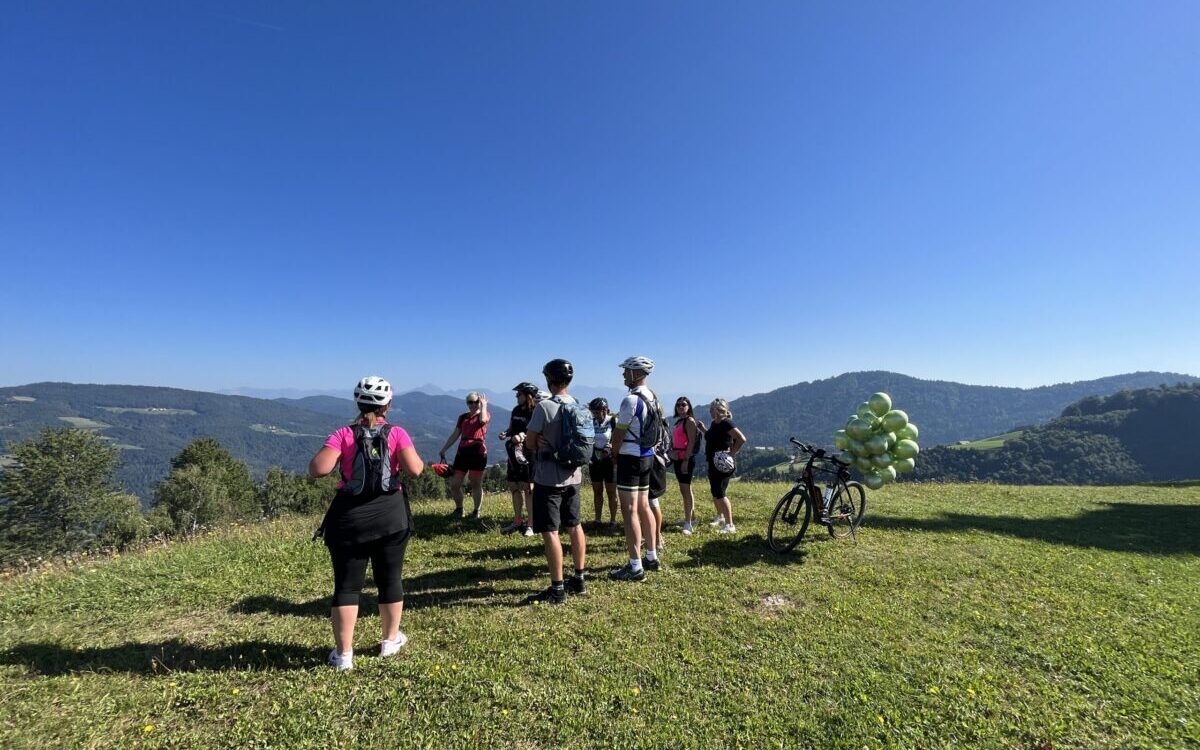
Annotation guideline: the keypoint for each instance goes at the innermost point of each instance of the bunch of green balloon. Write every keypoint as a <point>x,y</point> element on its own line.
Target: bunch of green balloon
<point>879,441</point>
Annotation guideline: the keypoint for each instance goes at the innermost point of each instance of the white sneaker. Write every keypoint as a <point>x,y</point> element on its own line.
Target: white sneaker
<point>727,529</point>
<point>717,522</point>
<point>341,662</point>
<point>528,531</point>
<point>687,529</point>
<point>387,648</point>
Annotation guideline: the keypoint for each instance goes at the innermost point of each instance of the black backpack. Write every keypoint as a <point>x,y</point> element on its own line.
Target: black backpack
<point>655,434</point>
<point>372,474</point>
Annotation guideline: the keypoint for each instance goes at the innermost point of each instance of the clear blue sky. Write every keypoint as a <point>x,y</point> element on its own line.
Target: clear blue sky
<point>210,194</point>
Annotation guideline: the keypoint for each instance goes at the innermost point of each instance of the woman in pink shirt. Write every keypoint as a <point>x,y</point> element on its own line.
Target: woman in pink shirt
<point>369,519</point>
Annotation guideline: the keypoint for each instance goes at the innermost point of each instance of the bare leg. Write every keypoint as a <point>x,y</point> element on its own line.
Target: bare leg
<point>477,491</point>
<point>456,492</point>
<point>343,619</point>
<point>578,547</point>
<point>725,508</point>
<point>688,503</point>
<point>389,619</point>
<point>656,509</point>
<point>611,489</point>
<point>646,517</point>
<point>598,494</point>
<point>633,527</point>
<point>554,555</point>
<point>518,499</point>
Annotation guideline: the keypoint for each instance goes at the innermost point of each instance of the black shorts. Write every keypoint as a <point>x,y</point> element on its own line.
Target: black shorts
<point>471,458</point>
<point>684,469</point>
<point>555,508</point>
<point>602,470</point>
<point>718,482</point>
<point>633,472</point>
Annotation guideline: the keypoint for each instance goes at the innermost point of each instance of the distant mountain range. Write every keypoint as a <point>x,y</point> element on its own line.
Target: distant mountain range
<point>945,412</point>
<point>151,425</point>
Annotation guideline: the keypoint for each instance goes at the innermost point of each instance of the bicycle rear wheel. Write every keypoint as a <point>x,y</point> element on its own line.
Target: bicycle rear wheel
<point>789,521</point>
<point>846,509</point>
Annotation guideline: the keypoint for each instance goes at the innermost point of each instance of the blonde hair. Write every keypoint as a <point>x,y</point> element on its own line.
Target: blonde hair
<point>722,407</point>
<point>473,395</point>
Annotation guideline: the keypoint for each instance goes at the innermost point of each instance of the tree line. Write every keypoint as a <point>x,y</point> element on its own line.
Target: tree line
<point>60,495</point>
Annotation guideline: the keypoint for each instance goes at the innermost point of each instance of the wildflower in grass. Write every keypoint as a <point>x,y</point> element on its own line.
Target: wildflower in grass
<point>879,718</point>
<point>970,691</point>
<point>148,728</point>
<point>933,690</point>
<point>235,691</point>
<point>504,712</point>
<point>637,691</point>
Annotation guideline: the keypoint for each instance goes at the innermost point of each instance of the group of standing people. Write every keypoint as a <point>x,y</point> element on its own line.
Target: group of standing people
<point>370,520</point>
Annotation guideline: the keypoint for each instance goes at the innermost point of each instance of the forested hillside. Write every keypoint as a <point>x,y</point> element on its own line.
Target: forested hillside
<point>1131,436</point>
<point>947,412</point>
<point>151,425</point>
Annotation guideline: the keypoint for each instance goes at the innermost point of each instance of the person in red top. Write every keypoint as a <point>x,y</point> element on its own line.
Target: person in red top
<point>471,459</point>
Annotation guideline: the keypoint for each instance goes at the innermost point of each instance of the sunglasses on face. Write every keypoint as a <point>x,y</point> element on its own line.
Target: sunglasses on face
<point>472,403</point>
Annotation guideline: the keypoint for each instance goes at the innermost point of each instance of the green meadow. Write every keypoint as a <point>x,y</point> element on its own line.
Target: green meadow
<point>973,616</point>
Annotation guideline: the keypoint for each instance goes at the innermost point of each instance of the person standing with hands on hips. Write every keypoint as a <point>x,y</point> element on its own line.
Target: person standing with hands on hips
<point>471,457</point>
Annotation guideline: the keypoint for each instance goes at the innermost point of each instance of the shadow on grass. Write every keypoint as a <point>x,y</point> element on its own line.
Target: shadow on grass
<point>461,587</point>
<point>430,525</point>
<point>738,553</point>
<point>1119,527</point>
<point>161,657</point>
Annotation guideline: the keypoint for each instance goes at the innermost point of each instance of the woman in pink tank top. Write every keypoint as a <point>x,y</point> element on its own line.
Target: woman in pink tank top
<point>685,440</point>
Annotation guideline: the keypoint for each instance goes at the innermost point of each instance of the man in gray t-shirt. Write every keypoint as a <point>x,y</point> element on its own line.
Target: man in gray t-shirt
<point>555,488</point>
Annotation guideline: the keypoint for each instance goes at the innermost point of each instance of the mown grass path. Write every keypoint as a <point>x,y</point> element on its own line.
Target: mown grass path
<point>970,616</point>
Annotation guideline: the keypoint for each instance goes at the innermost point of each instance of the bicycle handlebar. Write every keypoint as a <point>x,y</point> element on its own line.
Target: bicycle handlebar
<point>818,452</point>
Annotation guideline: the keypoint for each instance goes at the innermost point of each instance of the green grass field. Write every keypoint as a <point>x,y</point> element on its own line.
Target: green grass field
<point>988,444</point>
<point>971,616</point>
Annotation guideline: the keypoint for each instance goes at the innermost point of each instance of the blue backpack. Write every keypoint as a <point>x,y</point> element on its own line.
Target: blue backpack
<point>578,436</point>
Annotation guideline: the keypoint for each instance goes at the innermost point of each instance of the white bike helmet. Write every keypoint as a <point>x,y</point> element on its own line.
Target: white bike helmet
<point>723,462</point>
<point>645,364</point>
<point>373,390</point>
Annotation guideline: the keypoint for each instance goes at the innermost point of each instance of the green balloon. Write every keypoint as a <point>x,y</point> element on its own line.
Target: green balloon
<point>891,439</point>
<point>864,464</point>
<point>877,445</point>
<point>908,432</point>
<point>880,404</point>
<point>859,429</point>
<point>904,465</point>
<point>887,474</point>
<point>858,448</point>
<point>906,449</point>
<point>864,410</point>
<point>894,420</point>
<point>873,481</point>
<point>841,440</point>
<point>882,460</point>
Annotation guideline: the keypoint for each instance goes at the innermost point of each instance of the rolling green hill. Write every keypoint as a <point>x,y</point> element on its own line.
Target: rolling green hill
<point>1131,436</point>
<point>151,425</point>
<point>946,412</point>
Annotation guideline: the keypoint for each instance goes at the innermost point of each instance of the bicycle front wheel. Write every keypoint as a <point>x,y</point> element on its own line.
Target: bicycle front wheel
<point>789,521</point>
<point>846,509</point>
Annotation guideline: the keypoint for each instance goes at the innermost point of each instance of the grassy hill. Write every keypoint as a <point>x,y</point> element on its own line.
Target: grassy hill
<point>946,412</point>
<point>151,425</point>
<point>963,616</point>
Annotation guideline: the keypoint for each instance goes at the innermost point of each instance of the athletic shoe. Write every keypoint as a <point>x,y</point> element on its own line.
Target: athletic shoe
<point>575,585</point>
<point>526,531</point>
<point>717,522</point>
<point>474,515</point>
<point>727,529</point>
<point>627,573</point>
<point>341,662</point>
<point>514,526</point>
<point>456,513</point>
<point>687,529</point>
<point>549,596</point>
<point>651,565</point>
<point>387,648</point>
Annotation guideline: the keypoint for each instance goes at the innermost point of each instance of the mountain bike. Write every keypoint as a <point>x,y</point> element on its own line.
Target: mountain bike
<point>824,491</point>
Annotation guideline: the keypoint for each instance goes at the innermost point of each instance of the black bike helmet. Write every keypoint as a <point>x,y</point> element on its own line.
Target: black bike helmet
<point>559,371</point>
<point>526,388</point>
<point>598,403</point>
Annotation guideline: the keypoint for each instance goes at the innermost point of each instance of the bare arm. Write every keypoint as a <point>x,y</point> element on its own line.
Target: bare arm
<point>484,415</point>
<point>737,439</point>
<point>533,441</point>
<point>410,462</point>
<point>618,437</point>
<point>450,441</point>
<point>324,462</point>
<point>690,429</point>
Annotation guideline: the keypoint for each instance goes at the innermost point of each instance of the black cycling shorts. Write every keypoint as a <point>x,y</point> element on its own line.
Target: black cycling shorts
<point>684,469</point>
<point>633,472</point>
<point>471,458</point>
<point>555,508</point>
<point>601,470</point>
<point>718,482</point>
<point>386,556</point>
